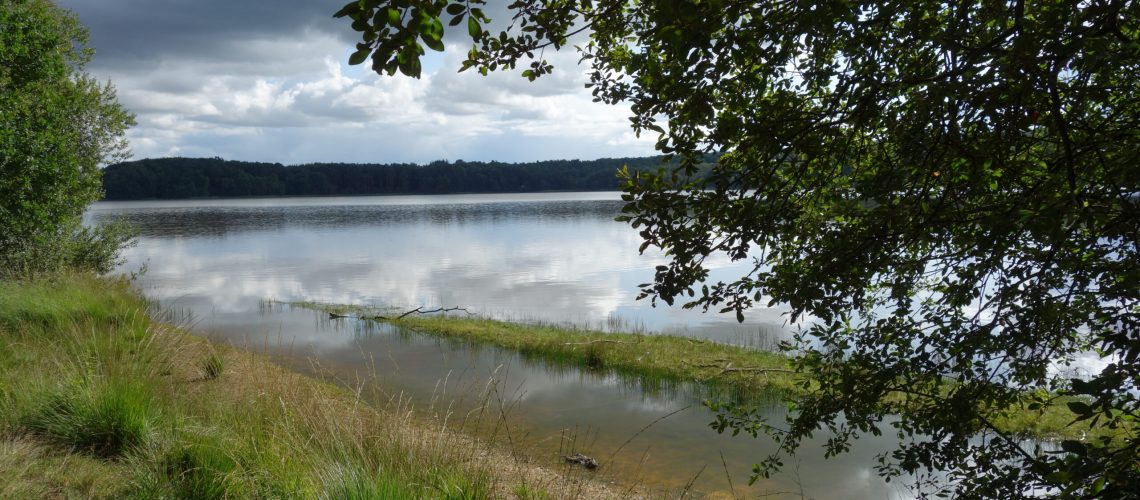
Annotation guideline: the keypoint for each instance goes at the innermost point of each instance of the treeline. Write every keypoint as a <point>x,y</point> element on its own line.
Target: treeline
<point>167,178</point>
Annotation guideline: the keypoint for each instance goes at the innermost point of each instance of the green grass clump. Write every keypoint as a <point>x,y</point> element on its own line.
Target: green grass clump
<point>104,420</point>
<point>197,468</point>
<point>212,366</point>
<point>61,302</point>
<point>30,468</point>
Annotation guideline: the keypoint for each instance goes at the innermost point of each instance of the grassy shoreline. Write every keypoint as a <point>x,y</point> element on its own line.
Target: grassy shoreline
<point>97,400</point>
<point>656,359</point>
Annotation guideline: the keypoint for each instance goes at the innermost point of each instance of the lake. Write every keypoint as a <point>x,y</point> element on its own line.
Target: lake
<point>224,266</point>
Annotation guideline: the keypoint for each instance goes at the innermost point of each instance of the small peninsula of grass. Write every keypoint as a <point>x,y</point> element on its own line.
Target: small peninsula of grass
<point>98,400</point>
<point>668,358</point>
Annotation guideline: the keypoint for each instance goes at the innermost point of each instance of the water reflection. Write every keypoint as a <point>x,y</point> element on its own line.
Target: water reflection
<point>558,258</point>
<point>648,431</point>
<point>554,257</point>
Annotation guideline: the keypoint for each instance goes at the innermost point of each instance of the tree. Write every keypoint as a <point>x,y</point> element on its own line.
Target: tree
<point>57,126</point>
<point>946,191</point>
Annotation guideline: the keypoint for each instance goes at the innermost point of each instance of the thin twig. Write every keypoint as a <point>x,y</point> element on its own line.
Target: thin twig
<point>728,476</point>
<point>643,429</point>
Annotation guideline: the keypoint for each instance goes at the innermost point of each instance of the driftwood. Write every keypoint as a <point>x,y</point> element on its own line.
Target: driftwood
<point>582,460</point>
<point>599,341</point>
<point>418,310</point>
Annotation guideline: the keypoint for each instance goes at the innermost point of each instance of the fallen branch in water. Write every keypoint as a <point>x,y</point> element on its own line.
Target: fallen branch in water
<point>582,460</point>
<point>756,370</point>
<point>598,341</point>
<point>418,310</point>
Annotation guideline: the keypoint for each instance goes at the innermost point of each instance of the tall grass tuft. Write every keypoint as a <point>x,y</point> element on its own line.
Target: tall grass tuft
<point>351,484</point>
<point>212,365</point>
<point>199,470</point>
<point>102,419</point>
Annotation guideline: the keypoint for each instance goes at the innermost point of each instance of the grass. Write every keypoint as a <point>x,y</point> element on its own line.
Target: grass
<point>99,401</point>
<point>741,373</point>
<point>651,359</point>
<point>212,365</point>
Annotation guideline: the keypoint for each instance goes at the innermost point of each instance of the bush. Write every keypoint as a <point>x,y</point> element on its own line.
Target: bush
<point>57,126</point>
<point>96,249</point>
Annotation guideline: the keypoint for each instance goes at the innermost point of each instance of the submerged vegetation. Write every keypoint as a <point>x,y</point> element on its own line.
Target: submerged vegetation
<point>99,400</point>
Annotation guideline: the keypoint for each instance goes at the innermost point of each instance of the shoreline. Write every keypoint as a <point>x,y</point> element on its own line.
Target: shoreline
<point>99,400</point>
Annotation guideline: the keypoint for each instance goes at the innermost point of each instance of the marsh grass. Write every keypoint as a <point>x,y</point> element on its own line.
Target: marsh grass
<point>723,372</point>
<point>652,360</point>
<point>97,400</point>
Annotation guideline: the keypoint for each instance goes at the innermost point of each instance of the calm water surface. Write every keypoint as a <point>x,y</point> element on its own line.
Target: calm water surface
<point>555,257</point>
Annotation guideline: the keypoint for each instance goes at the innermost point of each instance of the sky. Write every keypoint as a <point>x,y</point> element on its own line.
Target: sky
<point>268,80</point>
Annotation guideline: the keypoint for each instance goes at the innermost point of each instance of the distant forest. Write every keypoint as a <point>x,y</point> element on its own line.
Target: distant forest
<point>168,178</point>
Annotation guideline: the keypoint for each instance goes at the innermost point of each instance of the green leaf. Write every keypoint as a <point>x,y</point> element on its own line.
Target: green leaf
<point>433,43</point>
<point>1079,408</point>
<point>1074,447</point>
<point>456,9</point>
<point>349,8</point>
<point>473,28</point>
<point>359,56</point>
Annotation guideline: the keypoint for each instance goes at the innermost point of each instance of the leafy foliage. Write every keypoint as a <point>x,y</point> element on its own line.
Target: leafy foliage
<point>57,125</point>
<point>947,191</point>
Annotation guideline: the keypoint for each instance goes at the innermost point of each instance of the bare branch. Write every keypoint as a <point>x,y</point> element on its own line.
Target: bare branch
<point>599,341</point>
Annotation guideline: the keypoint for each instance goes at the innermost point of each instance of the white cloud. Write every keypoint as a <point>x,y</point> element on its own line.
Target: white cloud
<point>262,81</point>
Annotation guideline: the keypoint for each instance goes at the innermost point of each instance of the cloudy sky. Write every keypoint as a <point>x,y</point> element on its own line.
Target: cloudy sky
<point>267,80</point>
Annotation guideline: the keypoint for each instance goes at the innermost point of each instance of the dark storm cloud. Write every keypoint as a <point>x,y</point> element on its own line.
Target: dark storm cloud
<point>141,32</point>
